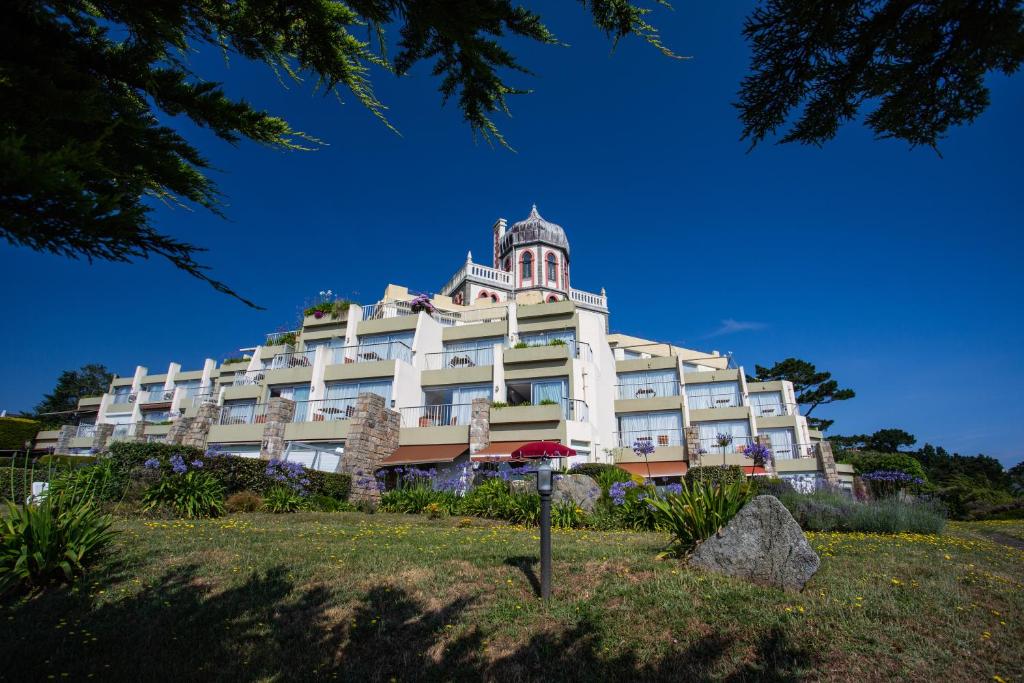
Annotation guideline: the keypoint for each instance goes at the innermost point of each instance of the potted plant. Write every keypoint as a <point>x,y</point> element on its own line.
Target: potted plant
<point>422,303</point>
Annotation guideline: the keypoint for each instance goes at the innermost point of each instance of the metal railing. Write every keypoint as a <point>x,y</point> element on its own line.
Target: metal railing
<point>398,309</point>
<point>656,437</point>
<point>649,389</point>
<point>709,401</point>
<point>246,413</point>
<point>293,359</point>
<point>124,398</point>
<point>438,415</point>
<point>367,353</point>
<point>710,445</point>
<point>772,409</point>
<point>575,409</point>
<point>273,337</point>
<point>122,430</point>
<point>324,410</point>
<point>156,396</point>
<point>582,351</point>
<point>85,431</point>
<point>793,451</point>
<point>248,378</point>
<point>469,358</point>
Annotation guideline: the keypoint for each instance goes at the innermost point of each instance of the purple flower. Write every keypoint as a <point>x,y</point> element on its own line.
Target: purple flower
<point>619,490</point>
<point>151,464</point>
<point>673,489</point>
<point>198,464</point>
<point>759,453</point>
<point>723,440</point>
<point>643,447</point>
<point>892,476</point>
<point>178,464</point>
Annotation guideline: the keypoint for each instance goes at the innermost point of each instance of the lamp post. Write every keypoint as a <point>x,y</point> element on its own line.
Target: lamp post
<point>544,486</point>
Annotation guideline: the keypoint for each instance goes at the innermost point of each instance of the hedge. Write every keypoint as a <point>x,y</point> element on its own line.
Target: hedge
<point>592,469</point>
<point>872,461</point>
<point>716,474</point>
<point>15,431</point>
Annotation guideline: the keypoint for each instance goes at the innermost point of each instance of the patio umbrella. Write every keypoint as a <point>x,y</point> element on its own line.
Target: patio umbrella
<point>541,449</point>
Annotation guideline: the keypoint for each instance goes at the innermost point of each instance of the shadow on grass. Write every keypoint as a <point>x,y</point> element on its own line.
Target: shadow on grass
<point>184,628</point>
<point>524,563</point>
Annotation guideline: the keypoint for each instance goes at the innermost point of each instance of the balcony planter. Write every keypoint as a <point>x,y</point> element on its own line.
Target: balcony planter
<point>530,354</point>
<point>510,414</point>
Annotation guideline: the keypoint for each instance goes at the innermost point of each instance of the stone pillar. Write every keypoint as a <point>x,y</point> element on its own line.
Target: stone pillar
<point>827,462</point>
<point>64,436</point>
<point>179,428</point>
<point>479,425</point>
<point>197,431</point>
<point>769,465</point>
<point>692,436</point>
<point>139,431</point>
<point>372,436</point>
<point>280,412</point>
<point>101,437</point>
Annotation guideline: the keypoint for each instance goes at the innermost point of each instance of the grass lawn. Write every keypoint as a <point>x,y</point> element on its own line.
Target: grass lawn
<point>391,597</point>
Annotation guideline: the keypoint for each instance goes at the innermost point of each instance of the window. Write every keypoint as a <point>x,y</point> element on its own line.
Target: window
<point>396,346</point>
<point>155,416</point>
<point>352,389</point>
<point>661,429</point>
<point>629,354</point>
<point>527,265</point>
<point>121,394</point>
<point>552,268</point>
<point>545,338</point>
<point>468,353</point>
<point>738,430</point>
<point>713,395</point>
<point>783,447</point>
<point>294,392</point>
<point>449,405</point>
<point>508,265</point>
<point>767,404</point>
<point>649,384</point>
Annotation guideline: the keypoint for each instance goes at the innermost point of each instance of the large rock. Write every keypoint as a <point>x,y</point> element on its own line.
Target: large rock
<point>763,544</point>
<point>578,488</point>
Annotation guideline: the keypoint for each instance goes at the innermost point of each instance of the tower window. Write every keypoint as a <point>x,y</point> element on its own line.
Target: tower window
<point>527,265</point>
<point>552,268</point>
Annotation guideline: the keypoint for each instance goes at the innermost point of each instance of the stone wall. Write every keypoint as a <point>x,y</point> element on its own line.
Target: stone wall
<point>479,425</point>
<point>139,431</point>
<point>692,437</point>
<point>372,436</point>
<point>828,462</point>
<point>280,412</point>
<point>179,428</point>
<point>64,436</point>
<point>198,430</point>
<point>101,437</point>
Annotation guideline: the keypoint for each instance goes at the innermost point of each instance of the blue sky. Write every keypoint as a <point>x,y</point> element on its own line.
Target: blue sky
<point>897,270</point>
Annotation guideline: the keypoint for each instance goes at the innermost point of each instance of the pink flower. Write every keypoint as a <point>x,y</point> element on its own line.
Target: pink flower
<point>318,314</point>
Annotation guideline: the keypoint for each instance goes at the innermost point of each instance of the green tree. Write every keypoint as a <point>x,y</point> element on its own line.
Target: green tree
<point>882,441</point>
<point>920,64</point>
<point>812,388</point>
<point>86,84</point>
<point>88,380</point>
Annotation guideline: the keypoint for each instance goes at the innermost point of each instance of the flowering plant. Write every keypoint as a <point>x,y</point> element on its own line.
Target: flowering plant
<point>889,482</point>
<point>643,447</point>
<point>290,474</point>
<point>421,302</point>
<point>758,452</point>
<point>723,440</point>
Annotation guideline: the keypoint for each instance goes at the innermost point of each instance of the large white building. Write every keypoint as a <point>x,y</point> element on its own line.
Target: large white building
<point>515,334</point>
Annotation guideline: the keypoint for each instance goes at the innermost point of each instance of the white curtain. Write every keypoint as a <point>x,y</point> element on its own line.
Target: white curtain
<point>479,351</point>
<point>541,338</point>
<point>351,390</point>
<point>649,384</point>
<point>767,403</point>
<point>713,395</point>
<point>739,430</point>
<point>663,429</point>
<point>782,443</point>
<point>548,391</point>
<point>463,398</point>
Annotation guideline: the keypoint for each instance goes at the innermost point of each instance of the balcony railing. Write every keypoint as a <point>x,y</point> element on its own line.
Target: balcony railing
<point>793,451</point>
<point>581,297</point>
<point>157,395</point>
<point>248,413</point>
<point>324,410</point>
<point>124,398</point>
<point>252,377</point>
<point>398,309</point>
<point>710,446</point>
<point>85,431</point>
<point>656,437</point>
<point>649,389</point>
<point>772,409</point>
<point>368,353</point>
<point>477,272</point>
<point>122,430</point>
<point>710,401</point>
<point>470,358</point>
<point>274,338</point>
<point>575,409</point>
<point>293,359</point>
<point>439,415</point>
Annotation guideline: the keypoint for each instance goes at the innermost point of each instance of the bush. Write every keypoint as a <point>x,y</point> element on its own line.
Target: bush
<point>1011,510</point>
<point>605,475</point>
<point>100,480</point>
<point>870,461</point>
<point>191,494</point>
<point>715,474</point>
<point>629,505</point>
<point>51,541</point>
<point>15,431</point>
<point>698,510</point>
<point>834,511</point>
<point>282,499</point>
<point>568,515</point>
<point>770,486</point>
<point>56,460</point>
<point>16,482</point>
<point>489,499</point>
<point>243,501</point>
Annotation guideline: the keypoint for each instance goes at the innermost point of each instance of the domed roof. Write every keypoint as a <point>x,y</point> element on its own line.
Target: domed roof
<point>534,228</point>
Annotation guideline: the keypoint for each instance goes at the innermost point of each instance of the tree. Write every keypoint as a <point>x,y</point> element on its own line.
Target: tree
<point>922,65</point>
<point>812,388</point>
<point>889,440</point>
<point>84,86</point>
<point>88,380</point>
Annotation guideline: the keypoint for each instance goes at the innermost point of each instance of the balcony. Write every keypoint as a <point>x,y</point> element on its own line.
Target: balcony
<point>793,451</point>
<point>439,415</point>
<point>451,360</point>
<point>369,353</point>
<point>157,396</point>
<point>772,409</point>
<point>659,438</point>
<point>588,299</point>
<point>250,378</point>
<point>648,390</point>
<point>477,273</point>
<point>565,409</point>
<point>324,410</point>
<point>121,431</point>
<point>244,414</point>
<point>397,309</point>
<point>85,431</point>
<point>714,401</point>
<point>292,359</point>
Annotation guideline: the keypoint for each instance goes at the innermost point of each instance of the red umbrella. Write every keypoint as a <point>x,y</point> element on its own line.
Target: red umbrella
<point>542,449</point>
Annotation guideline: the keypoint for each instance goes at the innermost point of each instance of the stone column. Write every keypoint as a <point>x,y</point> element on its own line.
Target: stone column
<point>479,425</point>
<point>769,465</point>
<point>280,412</point>
<point>372,436</point>
<point>64,436</point>
<point>827,462</point>
<point>102,436</point>
<point>139,431</point>
<point>179,428</point>
<point>692,436</point>
<point>199,429</point>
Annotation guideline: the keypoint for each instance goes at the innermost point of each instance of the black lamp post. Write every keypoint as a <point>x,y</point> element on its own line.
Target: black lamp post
<point>544,477</point>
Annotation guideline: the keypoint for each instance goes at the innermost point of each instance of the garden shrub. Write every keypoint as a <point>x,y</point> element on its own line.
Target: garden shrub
<point>1011,510</point>
<point>191,494</point>
<point>50,541</point>
<point>243,501</point>
<point>715,474</point>
<point>630,505</point>
<point>828,510</point>
<point>568,515</point>
<point>594,469</point>
<point>15,431</point>
<point>16,482</point>
<point>282,499</point>
<point>58,460</point>
<point>100,480</point>
<point>694,511</point>
<point>962,494</point>
<point>770,486</point>
<point>871,461</point>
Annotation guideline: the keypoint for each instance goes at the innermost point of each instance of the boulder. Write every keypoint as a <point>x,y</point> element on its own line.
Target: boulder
<point>762,544</point>
<point>578,488</point>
